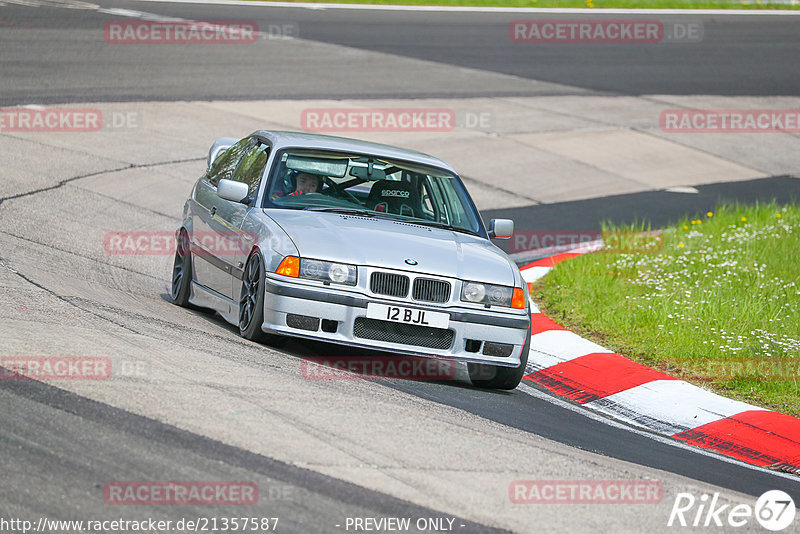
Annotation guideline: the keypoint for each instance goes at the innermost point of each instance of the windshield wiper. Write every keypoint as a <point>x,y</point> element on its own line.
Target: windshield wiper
<point>445,226</point>
<point>345,211</point>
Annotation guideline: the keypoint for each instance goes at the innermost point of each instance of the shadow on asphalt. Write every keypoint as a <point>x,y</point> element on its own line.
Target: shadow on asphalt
<point>656,208</point>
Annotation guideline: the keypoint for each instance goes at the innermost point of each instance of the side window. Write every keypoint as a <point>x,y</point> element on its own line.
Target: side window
<point>439,200</point>
<point>425,194</point>
<point>456,207</point>
<point>252,166</point>
<point>225,164</point>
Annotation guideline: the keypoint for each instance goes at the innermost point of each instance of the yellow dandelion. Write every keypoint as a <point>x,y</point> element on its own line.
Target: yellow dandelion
<point>681,245</point>
<point>685,227</point>
<point>744,219</point>
<point>778,215</point>
<point>710,213</point>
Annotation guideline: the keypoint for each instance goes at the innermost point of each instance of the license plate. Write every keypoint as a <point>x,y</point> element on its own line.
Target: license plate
<point>399,314</point>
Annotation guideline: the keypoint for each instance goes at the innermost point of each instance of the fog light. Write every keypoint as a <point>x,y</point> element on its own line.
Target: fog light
<point>502,350</point>
<point>302,322</point>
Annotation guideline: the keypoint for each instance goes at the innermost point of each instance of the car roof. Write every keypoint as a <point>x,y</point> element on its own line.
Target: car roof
<point>282,139</point>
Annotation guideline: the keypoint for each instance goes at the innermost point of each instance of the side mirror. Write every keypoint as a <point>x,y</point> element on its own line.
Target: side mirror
<point>501,228</point>
<point>220,145</point>
<point>233,191</point>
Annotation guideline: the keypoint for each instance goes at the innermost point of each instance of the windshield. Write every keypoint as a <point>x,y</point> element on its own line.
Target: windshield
<point>371,186</point>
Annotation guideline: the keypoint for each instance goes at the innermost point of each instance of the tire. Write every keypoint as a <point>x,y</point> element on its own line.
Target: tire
<point>494,377</point>
<point>251,303</point>
<point>182,271</point>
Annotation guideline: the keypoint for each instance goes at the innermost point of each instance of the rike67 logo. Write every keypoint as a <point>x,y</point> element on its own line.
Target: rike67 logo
<point>774,510</point>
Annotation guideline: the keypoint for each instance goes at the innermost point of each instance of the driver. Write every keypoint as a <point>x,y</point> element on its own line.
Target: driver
<point>305,183</point>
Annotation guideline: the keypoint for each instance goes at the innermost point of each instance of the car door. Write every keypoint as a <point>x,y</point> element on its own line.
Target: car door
<point>210,266</point>
<point>231,217</point>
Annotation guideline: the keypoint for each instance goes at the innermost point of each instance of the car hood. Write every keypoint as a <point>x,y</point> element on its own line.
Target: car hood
<point>386,243</point>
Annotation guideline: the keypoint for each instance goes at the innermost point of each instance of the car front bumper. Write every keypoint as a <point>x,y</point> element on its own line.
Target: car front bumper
<point>348,309</point>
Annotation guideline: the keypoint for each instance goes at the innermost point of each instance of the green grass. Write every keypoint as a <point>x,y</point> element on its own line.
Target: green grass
<point>713,291</point>
<point>620,4</point>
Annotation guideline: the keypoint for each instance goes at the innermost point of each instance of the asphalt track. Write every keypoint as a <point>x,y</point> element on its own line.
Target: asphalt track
<point>56,56</point>
<point>63,443</point>
<point>53,435</point>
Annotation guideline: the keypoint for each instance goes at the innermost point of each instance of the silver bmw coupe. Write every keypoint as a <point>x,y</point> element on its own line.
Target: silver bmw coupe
<point>350,242</point>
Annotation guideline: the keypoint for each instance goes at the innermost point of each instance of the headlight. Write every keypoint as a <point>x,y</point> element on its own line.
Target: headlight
<point>510,297</point>
<point>473,292</point>
<point>327,271</point>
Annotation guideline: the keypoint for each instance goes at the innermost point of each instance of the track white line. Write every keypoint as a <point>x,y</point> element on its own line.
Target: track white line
<point>533,392</point>
<point>669,406</point>
<point>476,9</point>
<point>532,274</point>
<point>559,346</point>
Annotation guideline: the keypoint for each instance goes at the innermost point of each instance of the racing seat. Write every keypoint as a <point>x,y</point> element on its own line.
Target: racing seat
<point>393,196</point>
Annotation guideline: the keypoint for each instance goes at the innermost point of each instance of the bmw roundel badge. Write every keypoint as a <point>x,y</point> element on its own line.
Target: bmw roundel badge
<point>410,261</point>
